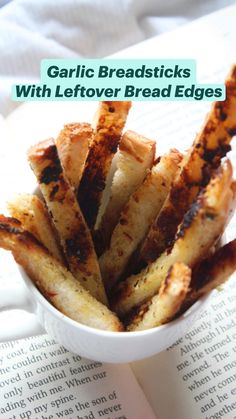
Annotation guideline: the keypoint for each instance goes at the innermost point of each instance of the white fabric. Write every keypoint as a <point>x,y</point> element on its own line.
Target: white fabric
<point>32,30</point>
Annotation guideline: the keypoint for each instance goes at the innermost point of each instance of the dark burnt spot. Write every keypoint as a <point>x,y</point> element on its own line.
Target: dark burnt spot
<point>213,156</point>
<point>205,271</point>
<point>11,220</point>
<point>50,152</point>
<point>151,253</point>
<point>136,314</point>
<point>122,291</point>
<point>51,174</point>
<point>178,194</point>
<point>75,247</point>
<point>223,116</point>
<point>232,131</point>
<point>188,218</point>
<point>94,178</point>
<point>53,192</point>
<point>9,229</point>
<point>165,221</point>
<point>98,183</point>
<point>166,227</point>
<point>210,215</point>
<point>206,174</point>
<point>89,211</point>
<point>112,142</point>
<point>209,128</point>
<point>223,148</point>
<point>123,221</point>
<point>89,194</point>
<point>220,111</point>
<point>111,109</point>
<point>208,155</point>
<point>157,160</point>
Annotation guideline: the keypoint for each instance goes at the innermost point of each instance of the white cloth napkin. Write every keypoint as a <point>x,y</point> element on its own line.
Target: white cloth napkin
<point>32,30</point>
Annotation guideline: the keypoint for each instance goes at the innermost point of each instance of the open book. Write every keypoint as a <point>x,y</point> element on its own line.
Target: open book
<point>196,377</point>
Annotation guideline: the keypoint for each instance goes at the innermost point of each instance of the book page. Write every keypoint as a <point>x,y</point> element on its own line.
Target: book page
<point>41,379</point>
<point>196,377</point>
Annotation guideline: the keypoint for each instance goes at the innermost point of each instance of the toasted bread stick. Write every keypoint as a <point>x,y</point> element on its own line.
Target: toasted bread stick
<point>64,209</point>
<point>109,123</point>
<point>213,272</point>
<point>163,307</point>
<point>55,282</point>
<point>210,145</point>
<point>137,216</point>
<point>202,226</point>
<point>33,215</point>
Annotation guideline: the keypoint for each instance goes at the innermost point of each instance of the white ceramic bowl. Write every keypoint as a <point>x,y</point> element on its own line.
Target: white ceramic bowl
<point>104,346</point>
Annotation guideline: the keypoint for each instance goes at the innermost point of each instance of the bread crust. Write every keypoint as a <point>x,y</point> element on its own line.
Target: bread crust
<point>33,215</point>
<point>211,144</point>
<point>67,217</point>
<point>164,306</point>
<point>134,159</point>
<point>203,223</point>
<point>73,145</point>
<point>137,216</point>
<point>213,272</point>
<point>108,125</point>
<point>54,281</point>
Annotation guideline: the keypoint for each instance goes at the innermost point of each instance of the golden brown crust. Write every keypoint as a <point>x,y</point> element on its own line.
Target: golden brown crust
<point>210,145</point>
<point>164,306</point>
<point>137,216</point>
<point>134,160</point>
<point>110,121</point>
<point>54,281</point>
<point>74,234</point>
<point>213,271</point>
<point>137,145</point>
<point>205,225</point>
<point>73,145</point>
<point>33,215</point>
